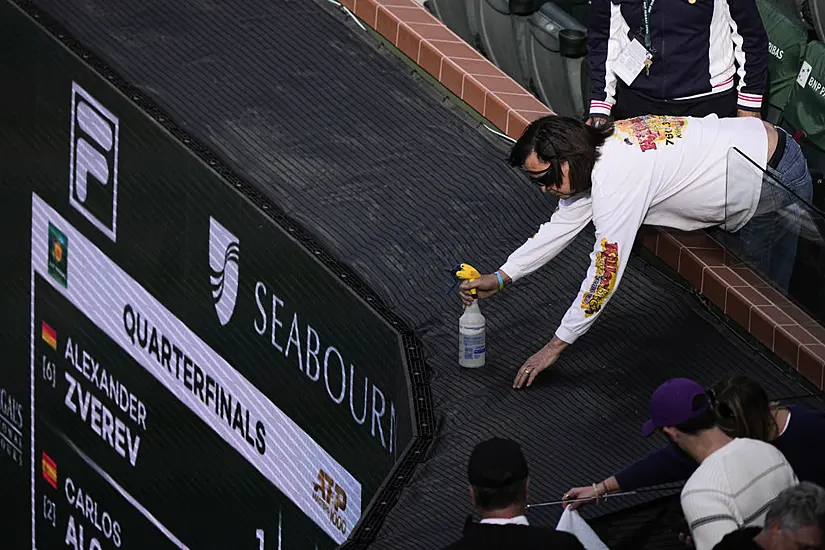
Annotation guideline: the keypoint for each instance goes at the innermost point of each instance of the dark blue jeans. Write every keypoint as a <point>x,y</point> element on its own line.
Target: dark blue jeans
<point>769,240</point>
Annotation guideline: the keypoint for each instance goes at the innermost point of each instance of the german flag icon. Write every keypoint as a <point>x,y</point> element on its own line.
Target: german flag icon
<point>49,468</point>
<point>49,335</point>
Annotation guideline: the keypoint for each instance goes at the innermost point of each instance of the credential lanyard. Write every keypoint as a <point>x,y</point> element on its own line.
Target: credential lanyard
<point>646,9</point>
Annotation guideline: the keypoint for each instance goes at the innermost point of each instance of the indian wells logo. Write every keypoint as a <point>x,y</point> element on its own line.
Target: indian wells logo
<point>224,250</point>
<point>58,255</point>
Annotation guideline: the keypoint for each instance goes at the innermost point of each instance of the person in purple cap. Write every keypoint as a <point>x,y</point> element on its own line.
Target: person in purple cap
<point>743,409</point>
<point>737,478</point>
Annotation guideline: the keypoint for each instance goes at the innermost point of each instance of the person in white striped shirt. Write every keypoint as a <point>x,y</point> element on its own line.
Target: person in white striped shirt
<point>737,479</point>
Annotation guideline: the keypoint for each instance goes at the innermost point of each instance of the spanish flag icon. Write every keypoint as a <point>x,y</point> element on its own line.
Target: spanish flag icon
<point>49,335</point>
<point>49,468</point>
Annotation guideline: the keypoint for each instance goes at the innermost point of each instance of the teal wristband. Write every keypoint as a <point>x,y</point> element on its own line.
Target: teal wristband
<point>500,280</point>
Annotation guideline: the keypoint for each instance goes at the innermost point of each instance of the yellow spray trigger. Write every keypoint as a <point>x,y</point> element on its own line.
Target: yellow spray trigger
<point>467,273</point>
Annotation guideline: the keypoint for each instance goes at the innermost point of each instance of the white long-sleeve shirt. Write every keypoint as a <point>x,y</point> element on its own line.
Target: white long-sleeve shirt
<point>664,171</point>
<point>733,488</point>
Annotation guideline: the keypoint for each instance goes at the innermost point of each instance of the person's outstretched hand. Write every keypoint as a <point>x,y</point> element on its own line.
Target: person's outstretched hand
<point>486,285</point>
<point>578,494</point>
<point>538,362</point>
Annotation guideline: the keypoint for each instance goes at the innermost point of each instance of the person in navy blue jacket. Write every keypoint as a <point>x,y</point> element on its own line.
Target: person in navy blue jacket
<point>743,410</point>
<point>676,57</point>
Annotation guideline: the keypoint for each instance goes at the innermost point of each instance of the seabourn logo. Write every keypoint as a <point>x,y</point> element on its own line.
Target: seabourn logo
<point>224,255</point>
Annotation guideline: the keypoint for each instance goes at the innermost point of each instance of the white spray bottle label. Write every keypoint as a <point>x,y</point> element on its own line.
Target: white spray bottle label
<point>472,337</point>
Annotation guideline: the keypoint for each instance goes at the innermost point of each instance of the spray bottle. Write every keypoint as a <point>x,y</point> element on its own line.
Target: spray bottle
<point>471,325</point>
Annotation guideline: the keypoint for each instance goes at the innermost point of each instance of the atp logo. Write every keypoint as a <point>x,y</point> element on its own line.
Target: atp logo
<point>332,498</point>
<point>94,161</point>
<point>224,255</point>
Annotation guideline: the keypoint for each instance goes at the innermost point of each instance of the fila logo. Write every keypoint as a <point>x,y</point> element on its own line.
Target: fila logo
<point>224,254</point>
<point>94,161</point>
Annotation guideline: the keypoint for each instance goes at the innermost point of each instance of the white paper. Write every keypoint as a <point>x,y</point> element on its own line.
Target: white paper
<point>571,522</point>
<point>631,62</point>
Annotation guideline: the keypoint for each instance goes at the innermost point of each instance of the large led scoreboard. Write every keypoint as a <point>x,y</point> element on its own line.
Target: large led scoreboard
<point>178,371</point>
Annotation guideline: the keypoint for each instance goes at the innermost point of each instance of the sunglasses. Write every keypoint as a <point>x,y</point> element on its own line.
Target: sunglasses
<point>550,177</point>
<point>545,178</point>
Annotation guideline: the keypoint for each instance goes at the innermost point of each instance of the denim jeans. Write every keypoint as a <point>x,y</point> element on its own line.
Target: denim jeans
<point>769,240</point>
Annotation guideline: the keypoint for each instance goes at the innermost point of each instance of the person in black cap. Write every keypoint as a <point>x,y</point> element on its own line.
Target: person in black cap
<point>498,478</point>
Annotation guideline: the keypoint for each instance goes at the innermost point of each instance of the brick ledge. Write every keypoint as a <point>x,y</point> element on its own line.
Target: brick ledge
<point>734,288</point>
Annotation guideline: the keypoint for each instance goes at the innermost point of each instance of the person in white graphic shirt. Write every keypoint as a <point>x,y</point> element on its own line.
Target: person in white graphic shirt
<point>656,170</point>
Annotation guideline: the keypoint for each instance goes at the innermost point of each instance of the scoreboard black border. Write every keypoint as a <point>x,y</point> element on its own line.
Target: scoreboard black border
<point>418,382</point>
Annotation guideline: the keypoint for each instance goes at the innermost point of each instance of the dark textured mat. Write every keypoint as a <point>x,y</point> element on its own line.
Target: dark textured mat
<point>349,144</point>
